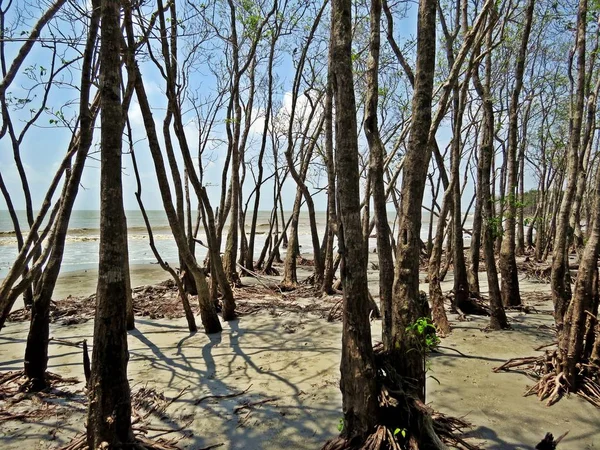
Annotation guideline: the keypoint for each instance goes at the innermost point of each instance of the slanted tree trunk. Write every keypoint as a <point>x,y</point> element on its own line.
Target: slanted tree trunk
<point>507,262</point>
<point>436,296</point>
<point>109,411</point>
<point>208,314</point>
<point>36,350</point>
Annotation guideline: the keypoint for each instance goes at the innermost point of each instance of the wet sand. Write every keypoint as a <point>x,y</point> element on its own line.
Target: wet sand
<point>292,360</point>
<point>83,282</point>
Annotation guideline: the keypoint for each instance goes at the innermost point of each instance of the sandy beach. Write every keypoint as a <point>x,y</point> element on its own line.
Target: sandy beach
<point>282,368</point>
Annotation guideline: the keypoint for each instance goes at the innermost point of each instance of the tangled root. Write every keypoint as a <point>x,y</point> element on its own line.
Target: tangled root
<point>551,387</point>
<point>404,421</point>
<point>551,384</point>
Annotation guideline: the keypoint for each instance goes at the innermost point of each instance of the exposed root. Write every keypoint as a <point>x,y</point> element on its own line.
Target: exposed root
<point>145,402</point>
<point>336,311</point>
<point>405,423</point>
<point>552,386</point>
<point>301,261</point>
<point>271,271</point>
<point>535,271</point>
<point>452,430</point>
<point>549,443</point>
<point>470,306</point>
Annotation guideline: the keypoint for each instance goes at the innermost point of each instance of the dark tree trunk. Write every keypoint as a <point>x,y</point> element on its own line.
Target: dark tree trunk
<point>571,340</point>
<point>358,385</point>
<point>328,256</point>
<point>461,283</point>
<point>406,300</point>
<point>507,262</point>
<point>36,351</point>
<point>109,412</point>
<point>376,157</point>
<point>486,154</point>
<point>560,260</point>
<point>475,247</point>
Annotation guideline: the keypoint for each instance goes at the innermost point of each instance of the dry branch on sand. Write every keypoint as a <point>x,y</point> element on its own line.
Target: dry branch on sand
<point>145,402</point>
<point>539,271</point>
<point>153,301</point>
<point>14,386</point>
<point>163,301</point>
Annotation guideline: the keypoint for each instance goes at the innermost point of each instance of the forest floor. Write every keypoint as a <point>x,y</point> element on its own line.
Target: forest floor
<point>270,379</point>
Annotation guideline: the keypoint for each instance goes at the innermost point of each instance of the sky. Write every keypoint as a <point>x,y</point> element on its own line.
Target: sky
<point>45,144</point>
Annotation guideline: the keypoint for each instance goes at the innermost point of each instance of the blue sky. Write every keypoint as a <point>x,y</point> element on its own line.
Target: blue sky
<point>45,145</point>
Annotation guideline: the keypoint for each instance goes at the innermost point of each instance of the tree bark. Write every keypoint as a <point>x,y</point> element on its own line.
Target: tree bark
<point>359,395</point>
<point>406,300</point>
<point>560,260</point>
<point>36,350</point>
<point>571,340</point>
<point>376,160</point>
<point>507,262</point>
<point>208,314</point>
<point>486,154</point>
<point>109,411</point>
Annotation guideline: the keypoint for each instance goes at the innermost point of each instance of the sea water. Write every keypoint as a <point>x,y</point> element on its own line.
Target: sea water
<point>83,238</point>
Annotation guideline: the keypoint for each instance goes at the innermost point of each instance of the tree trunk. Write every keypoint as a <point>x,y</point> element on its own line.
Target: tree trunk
<point>571,340</point>
<point>328,256</point>
<point>407,306</point>
<point>249,260</point>
<point>461,283</point>
<point>436,296</point>
<point>36,351</point>
<point>109,412</point>
<point>486,154</point>
<point>507,262</point>
<point>376,157</point>
<point>208,314</point>
<point>357,384</point>
<point>290,278</point>
<point>560,260</point>
<point>475,247</point>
